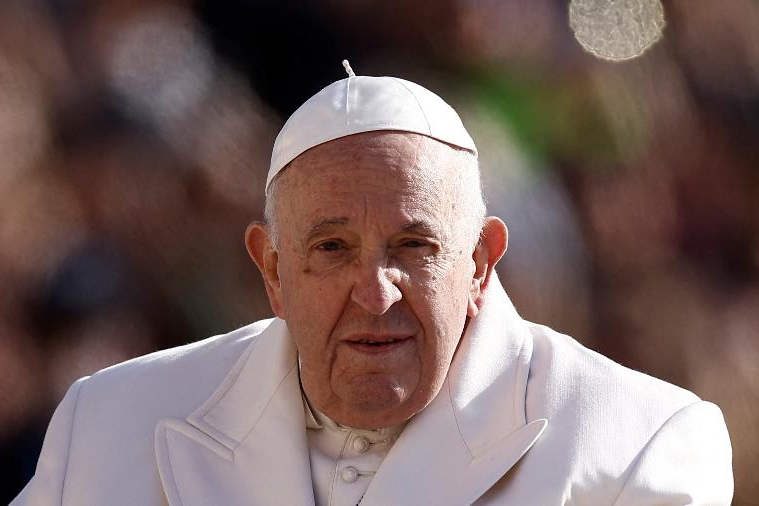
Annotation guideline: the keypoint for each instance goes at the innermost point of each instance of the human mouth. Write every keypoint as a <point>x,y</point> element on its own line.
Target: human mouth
<point>377,344</point>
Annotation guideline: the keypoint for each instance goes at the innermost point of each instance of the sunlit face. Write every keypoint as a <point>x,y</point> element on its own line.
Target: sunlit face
<point>373,272</point>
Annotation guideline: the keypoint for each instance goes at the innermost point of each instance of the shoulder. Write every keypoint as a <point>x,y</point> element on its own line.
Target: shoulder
<point>621,428</point>
<point>568,372</point>
<point>103,430</point>
<point>169,382</point>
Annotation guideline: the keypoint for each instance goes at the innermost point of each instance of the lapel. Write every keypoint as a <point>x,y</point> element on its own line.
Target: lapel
<point>476,429</point>
<point>247,443</point>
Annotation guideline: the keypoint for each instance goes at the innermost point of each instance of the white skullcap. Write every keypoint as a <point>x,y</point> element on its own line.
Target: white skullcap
<point>365,104</point>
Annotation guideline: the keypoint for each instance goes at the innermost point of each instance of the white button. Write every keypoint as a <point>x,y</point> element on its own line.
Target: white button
<point>360,444</point>
<point>349,474</point>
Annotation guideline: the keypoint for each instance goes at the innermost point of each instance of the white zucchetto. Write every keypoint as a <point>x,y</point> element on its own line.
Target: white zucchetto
<point>363,104</point>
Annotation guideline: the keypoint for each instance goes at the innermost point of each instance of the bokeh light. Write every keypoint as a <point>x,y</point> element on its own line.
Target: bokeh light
<point>616,29</point>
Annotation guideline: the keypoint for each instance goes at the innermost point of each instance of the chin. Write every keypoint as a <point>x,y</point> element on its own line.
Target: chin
<point>373,420</point>
<point>374,402</point>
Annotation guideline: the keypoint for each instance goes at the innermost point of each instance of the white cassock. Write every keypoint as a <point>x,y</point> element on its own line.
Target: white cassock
<point>344,460</point>
<point>526,416</point>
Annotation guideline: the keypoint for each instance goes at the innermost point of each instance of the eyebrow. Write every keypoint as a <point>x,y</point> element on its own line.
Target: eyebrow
<point>323,225</point>
<point>417,226</point>
<point>420,227</point>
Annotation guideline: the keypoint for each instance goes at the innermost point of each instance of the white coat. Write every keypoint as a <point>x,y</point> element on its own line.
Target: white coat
<point>526,416</point>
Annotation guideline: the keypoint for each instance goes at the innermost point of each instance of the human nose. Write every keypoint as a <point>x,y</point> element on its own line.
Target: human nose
<point>376,289</point>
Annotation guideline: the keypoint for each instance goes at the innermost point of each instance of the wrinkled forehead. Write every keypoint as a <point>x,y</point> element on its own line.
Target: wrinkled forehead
<point>406,161</point>
<point>391,176</point>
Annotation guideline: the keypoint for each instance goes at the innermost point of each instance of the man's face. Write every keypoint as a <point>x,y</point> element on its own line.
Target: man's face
<point>375,269</point>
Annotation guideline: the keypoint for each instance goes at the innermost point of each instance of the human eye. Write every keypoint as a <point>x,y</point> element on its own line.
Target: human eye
<point>329,245</point>
<point>415,247</point>
<point>414,243</point>
<point>328,254</point>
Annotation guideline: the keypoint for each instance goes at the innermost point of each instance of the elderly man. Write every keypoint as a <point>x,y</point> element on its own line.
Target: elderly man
<point>396,372</point>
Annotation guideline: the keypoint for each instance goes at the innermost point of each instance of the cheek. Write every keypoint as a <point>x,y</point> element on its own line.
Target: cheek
<point>442,310</point>
<point>447,290</point>
<point>312,306</point>
<point>304,294</point>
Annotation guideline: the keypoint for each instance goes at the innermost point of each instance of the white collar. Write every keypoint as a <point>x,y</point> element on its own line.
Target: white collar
<point>317,420</point>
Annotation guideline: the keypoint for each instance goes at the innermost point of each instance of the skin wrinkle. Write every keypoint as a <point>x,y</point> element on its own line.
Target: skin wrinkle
<point>369,243</point>
<point>468,185</point>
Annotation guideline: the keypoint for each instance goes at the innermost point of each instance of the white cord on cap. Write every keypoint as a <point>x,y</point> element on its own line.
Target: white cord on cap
<point>348,68</point>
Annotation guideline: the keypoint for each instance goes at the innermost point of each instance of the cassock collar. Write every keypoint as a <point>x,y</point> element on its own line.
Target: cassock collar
<point>254,424</point>
<point>316,420</point>
<point>486,383</point>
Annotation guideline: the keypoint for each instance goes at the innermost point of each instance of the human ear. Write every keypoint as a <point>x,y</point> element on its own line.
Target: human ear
<point>492,245</point>
<point>262,251</point>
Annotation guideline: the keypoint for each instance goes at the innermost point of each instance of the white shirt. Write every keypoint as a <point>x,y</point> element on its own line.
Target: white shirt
<point>343,460</point>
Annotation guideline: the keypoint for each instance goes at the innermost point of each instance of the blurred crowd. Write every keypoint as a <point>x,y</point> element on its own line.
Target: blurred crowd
<point>135,138</point>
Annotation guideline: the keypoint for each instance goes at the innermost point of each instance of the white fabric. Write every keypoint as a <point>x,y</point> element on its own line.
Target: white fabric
<point>364,104</point>
<point>344,460</point>
<point>222,422</point>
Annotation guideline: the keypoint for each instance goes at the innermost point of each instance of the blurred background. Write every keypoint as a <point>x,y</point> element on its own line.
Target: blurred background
<point>135,137</point>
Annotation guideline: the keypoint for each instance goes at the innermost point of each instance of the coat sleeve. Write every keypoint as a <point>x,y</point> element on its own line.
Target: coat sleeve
<point>46,487</point>
<point>687,462</point>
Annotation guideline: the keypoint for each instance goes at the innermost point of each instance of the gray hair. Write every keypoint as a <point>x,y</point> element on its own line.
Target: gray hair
<point>270,215</point>
<point>470,187</point>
